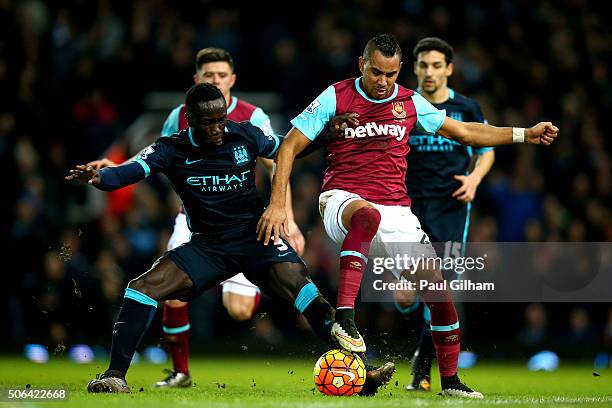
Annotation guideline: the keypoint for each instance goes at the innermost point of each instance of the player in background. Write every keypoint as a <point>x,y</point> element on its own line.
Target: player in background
<point>364,199</point>
<point>211,166</point>
<point>440,182</point>
<point>240,297</point>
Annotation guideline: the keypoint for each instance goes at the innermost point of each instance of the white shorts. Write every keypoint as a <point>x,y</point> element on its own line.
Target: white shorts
<point>398,226</point>
<point>237,284</point>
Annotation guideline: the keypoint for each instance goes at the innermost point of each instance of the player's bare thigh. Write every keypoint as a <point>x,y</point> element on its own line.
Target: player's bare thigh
<point>351,209</point>
<point>163,281</point>
<point>239,306</point>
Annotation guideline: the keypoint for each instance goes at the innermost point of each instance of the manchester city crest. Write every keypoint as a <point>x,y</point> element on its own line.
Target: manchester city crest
<point>241,155</point>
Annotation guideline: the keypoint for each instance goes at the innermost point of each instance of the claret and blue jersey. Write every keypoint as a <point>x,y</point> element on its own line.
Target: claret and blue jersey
<point>215,184</point>
<point>369,159</point>
<point>435,159</point>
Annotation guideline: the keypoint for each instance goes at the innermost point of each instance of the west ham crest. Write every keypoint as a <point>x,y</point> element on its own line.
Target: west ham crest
<point>398,110</point>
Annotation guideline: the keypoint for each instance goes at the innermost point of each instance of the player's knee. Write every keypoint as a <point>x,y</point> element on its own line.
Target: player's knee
<point>404,298</point>
<point>140,285</point>
<point>367,219</point>
<point>240,311</point>
<point>404,305</point>
<point>175,303</point>
<point>429,274</point>
<point>150,284</point>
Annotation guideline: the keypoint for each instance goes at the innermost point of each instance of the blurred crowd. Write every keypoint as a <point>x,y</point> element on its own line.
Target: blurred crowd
<point>73,75</point>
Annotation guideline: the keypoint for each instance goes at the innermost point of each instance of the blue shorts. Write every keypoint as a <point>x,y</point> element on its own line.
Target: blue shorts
<point>446,222</point>
<point>208,263</point>
<point>442,219</point>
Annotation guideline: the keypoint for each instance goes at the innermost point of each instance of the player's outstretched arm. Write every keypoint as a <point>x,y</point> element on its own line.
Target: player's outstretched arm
<point>275,214</point>
<point>481,134</point>
<point>85,174</point>
<point>106,162</point>
<point>102,163</point>
<point>109,178</point>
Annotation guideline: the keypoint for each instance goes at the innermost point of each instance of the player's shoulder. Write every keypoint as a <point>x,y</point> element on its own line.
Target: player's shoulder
<point>239,110</point>
<point>345,85</point>
<point>173,122</point>
<point>244,129</point>
<point>179,140</point>
<point>244,132</point>
<point>463,100</point>
<point>244,105</point>
<point>403,92</point>
<point>176,113</point>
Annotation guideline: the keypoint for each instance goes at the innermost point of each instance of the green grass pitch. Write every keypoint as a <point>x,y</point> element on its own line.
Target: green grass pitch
<point>276,382</point>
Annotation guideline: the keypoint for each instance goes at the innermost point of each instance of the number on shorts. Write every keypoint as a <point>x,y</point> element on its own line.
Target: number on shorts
<point>281,246</point>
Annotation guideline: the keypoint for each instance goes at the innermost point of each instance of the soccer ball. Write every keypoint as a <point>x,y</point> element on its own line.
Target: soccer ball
<point>340,373</point>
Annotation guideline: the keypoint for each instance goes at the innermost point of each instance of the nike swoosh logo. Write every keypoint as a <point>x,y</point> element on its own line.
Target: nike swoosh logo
<point>285,254</point>
<point>187,161</point>
<point>327,322</point>
<point>116,330</point>
<point>349,373</point>
<point>354,342</point>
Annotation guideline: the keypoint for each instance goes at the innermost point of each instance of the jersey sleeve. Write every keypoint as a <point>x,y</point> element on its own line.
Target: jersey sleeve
<point>171,125</point>
<point>262,121</point>
<point>156,158</point>
<point>314,118</point>
<point>266,145</point>
<point>429,118</point>
<point>477,116</point>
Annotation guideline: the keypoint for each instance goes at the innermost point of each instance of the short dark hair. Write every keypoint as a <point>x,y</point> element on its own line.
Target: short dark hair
<point>385,43</point>
<point>202,93</point>
<point>434,44</point>
<point>213,54</point>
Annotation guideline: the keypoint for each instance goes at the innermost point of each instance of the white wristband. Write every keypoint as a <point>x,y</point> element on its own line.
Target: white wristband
<point>518,135</point>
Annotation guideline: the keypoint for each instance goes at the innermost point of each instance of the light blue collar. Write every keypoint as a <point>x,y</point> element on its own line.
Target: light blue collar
<point>191,138</point>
